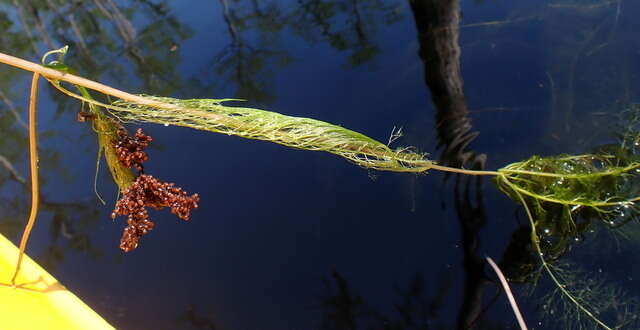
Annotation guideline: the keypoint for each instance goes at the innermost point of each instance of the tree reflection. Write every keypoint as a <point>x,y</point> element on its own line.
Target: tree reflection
<point>71,223</point>
<point>255,29</point>
<point>342,308</point>
<point>417,306</point>
<point>247,63</point>
<point>590,36</point>
<point>438,25</point>
<point>197,320</point>
<point>346,25</point>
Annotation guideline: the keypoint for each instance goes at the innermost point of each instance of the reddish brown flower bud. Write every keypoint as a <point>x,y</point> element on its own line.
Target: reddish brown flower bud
<point>147,191</point>
<point>130,149</point>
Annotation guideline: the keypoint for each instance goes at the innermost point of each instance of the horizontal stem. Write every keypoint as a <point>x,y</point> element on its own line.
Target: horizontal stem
<point>615,171</point>
<point>461,170</point>
<point>58,75</point>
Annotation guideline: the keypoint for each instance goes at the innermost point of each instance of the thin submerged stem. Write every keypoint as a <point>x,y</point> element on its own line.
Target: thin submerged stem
<point>535,241</point>
<point>462,171</point>
<point>33,162</point>
<point>507,290</point>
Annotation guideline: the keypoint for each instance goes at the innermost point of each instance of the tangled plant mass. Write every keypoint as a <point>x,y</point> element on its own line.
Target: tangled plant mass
<point>145,191</point>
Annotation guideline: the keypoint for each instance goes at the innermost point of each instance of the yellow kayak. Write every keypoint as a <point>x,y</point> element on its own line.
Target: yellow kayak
<point>39,301</point>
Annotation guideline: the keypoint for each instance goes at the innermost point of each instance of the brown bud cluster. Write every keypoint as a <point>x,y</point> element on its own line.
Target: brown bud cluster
<point>145,191</point>
<point>130,149</point>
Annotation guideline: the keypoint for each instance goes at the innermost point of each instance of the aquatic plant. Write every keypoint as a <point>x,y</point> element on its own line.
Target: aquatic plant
<point>130,149</point>
<point>123,152</point>
<point>33,166</point>
<point>564,197</point>
<point>563,194</point>
<point>145,191</point>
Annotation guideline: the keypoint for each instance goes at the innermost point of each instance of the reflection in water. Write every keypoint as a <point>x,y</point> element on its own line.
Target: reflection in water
<point>347,26</point>
<point>255,30</point>
<point>71,221</point>
<point>588,40</point>
<point>438,24</point>
<point>197,320</point>
<point>74,221</point>
<point>585,46</point>
<point>102,35</point>
<point>343,309</point>
<point>249,65</point>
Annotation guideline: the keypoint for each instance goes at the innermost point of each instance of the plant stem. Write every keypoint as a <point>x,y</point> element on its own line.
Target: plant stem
<point>54,75</point>
<point>57,75</point>
<point>33,161</point>
<point>535,241</point>
<point>461,170</point>
<point>507,290</point>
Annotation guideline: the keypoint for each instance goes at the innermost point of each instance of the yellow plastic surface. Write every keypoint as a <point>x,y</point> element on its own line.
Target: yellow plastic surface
<point>39,301</point>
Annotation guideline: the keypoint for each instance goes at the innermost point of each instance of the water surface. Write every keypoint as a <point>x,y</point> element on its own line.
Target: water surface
<point>291,239</point>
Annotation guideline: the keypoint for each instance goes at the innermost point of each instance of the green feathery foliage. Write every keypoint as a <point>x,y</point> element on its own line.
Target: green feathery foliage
<point>296,132</point>
<point>563,197</point>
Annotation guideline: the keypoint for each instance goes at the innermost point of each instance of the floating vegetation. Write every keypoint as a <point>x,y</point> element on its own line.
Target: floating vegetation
<point>562,195</point>
<point>555,190</point>
<point>296,132</point>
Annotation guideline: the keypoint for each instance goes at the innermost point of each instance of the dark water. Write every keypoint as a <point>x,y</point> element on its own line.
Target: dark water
<point>291,239</point>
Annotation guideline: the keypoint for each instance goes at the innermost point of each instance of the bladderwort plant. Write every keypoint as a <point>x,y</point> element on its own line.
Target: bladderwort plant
<point>560,192</point>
